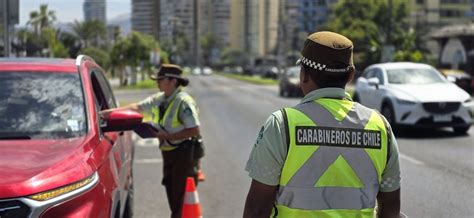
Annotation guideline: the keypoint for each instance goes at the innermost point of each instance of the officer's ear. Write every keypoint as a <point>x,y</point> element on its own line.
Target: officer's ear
<point>351,75</point>
<point>304,76</point>
<point>174,82</point>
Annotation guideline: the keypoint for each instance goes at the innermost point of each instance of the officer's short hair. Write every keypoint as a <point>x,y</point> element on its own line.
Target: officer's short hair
<point>328,58</point>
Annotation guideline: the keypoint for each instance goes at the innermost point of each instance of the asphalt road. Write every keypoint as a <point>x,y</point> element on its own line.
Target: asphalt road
<point>437,166</point>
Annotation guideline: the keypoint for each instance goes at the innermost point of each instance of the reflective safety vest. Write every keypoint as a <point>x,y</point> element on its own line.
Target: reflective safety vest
<point>170,121</point>
<point>337,151</point>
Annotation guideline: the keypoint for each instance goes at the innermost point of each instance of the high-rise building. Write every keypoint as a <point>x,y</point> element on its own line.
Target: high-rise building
<point>95,10</point>
<point>214,21</point>
<point>264,27</point>
<point>298,18</point>
<point>146,17</point>
<point>268,26</point>
<point>179,27</point>
<point>254,26</point>
<point>436,13</point>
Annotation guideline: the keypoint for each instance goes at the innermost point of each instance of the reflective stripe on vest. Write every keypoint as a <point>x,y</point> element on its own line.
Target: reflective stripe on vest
<point>301,190</point>
<point>170,121</point>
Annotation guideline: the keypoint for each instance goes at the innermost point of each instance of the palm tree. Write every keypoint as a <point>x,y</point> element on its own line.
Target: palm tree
<point>42,18</point>
<point>89,32</point>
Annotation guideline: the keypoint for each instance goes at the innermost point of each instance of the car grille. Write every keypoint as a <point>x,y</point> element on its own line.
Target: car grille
<point>430,122</point>
<point>13,208</point>
<point>441,107</point>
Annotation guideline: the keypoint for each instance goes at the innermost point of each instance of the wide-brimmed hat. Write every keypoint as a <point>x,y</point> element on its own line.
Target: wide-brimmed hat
<point>327,51</point>
<point>171,71</point>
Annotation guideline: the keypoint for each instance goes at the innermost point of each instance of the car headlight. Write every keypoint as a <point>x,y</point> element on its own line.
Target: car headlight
<point>43,196</point>
<point>295,81</point>
<point>405,102</point>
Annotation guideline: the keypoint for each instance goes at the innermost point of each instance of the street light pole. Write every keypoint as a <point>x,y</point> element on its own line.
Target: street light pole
<point>389,30</point>
<point>195,33</point>
<point>6,29</point>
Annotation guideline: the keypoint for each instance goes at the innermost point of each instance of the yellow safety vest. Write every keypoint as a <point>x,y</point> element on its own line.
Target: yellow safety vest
<point>336,155</point>
<point>170,121</point>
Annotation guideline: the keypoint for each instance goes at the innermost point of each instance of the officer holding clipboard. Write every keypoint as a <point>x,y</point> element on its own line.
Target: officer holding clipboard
<point>175,116</point>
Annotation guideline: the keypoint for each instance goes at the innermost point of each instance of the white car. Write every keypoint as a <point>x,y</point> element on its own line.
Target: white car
<point>206,71</point>
<point>412,94</point>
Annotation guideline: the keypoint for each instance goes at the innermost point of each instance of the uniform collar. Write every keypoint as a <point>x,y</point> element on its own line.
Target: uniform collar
<point>173,95</point>
<point>337,93</point>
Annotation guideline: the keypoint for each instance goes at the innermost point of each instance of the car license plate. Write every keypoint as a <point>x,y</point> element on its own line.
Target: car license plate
<point>442,118</point>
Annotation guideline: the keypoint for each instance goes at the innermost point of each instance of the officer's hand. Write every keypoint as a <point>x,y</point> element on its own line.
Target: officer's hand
<point>105,114</point>
<point>162,135</point>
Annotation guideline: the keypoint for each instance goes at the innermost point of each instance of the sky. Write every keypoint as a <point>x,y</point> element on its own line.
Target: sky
<point>70,10</point>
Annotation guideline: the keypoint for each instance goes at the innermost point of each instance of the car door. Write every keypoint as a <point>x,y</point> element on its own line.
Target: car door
<point>377,94</point>
<point>363,87</point>
<point>120,152</point>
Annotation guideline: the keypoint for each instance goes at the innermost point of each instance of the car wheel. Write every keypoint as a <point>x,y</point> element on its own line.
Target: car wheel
<point>128,213</point>
<point>387,112</point>
<point>356,98</point>
<point>461,130</point>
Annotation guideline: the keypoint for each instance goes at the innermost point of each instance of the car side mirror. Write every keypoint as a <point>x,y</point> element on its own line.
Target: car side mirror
<point>122,120</point>
<point>374,82</point>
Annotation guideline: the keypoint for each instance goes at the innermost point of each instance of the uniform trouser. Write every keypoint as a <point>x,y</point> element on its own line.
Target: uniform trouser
<point>178,164</point>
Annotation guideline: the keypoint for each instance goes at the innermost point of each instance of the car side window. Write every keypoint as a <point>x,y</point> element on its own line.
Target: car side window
<point>379,74</point>
<point>107,91</point>
<point>368,74</point>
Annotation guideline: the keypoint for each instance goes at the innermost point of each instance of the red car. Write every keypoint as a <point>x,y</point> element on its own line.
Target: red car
<point>58,158</point>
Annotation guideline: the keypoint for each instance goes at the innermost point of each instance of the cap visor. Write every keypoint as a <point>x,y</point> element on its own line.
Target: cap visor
<point>157,77</point>
<point>298,62</point>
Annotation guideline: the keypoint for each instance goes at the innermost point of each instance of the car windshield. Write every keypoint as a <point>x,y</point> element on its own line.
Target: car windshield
<point>293,72</point>
<point>414,76</point>
<point>41,105</point>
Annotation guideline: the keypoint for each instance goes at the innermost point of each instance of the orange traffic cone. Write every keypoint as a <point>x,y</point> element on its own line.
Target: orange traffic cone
<point>201,176</point>
<point>191,206</point>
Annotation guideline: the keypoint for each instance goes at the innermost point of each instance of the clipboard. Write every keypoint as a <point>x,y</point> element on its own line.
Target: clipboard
<point>146,130</point>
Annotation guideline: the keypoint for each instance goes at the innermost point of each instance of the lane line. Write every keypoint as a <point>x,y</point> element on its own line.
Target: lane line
<point>148,161</point>
<point>411,159</point>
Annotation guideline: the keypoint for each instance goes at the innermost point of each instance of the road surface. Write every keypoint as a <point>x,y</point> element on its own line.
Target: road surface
<point>437,166</point>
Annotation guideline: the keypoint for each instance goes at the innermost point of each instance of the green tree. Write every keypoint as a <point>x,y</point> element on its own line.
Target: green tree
<point>99,55</point>
<point>71,42</point>
<point>232,57</point>
<point>55,47</point>
<point>133,51</point>
<point>373,24</point>
<point>118,59</point>
<point>89,32</point>
<point>42,18</point>
<point>208,42</point>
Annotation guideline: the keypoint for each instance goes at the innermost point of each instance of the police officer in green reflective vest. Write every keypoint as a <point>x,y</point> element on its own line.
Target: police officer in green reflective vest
<point>174,112</point>
<point>327,156</point>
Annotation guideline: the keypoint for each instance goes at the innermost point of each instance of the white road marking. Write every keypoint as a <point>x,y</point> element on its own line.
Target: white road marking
<point>411,159</point>
<point>149,161</point>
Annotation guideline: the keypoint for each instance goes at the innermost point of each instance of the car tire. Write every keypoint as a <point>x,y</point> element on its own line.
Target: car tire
<point>356,98</point>
<point>389,114</point>
<point>461,130</point>
<point>128,213</point>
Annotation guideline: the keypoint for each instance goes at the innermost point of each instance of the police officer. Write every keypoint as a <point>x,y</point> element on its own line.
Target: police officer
<point>328,156</point>
<point>175,114</point>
